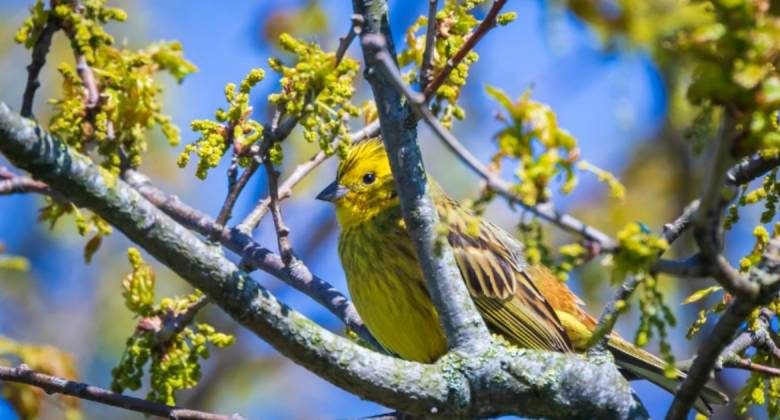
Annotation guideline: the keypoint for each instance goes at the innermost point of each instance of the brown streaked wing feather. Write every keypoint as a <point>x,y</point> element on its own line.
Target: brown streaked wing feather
<point>491,265</point>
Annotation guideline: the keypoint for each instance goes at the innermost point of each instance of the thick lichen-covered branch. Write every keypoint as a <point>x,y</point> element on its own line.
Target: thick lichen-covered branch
<point>499,380</point>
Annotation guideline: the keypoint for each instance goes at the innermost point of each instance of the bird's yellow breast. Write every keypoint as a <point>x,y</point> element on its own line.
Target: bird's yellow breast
<point>388,288</point>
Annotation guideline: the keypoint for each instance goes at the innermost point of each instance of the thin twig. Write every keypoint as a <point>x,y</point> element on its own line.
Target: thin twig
<point>56,385</point>
<point>426,73</point>
<point>235,187</point>
<point>564,221</point>
<point>285,191</point>
<point>84,71</point>
<point>484,27</point>
<point>692,266</point>
<point>346,40</point>
<point>611,312</point>
<point>89,81</point>
<point>23,184</point>
<point>674,230</point>
<point>11,183</point>
<point>39,53</point>
<point>747,364</point>
<point>282,231</point>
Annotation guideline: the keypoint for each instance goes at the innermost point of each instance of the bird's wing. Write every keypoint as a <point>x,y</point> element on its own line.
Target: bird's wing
<point>491,264</point>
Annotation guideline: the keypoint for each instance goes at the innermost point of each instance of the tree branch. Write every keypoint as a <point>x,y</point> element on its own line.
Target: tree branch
<point>55,385</point>
<point>346,40</point>
<point>463,326</point>
<point>426,75</point>
<point>741,173</point>
<point>39,53</point>
<point>11,183</point>
<point>751,168</point>
<point>766,278</point>
<point>499,381</point>
<point>282,231</point>
<point>747,364</point>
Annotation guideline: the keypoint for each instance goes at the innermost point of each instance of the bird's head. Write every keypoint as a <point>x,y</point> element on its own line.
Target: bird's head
<point>364,185</point>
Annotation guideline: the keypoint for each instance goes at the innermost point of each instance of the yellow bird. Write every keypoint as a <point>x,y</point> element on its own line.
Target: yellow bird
<point>526,304</point>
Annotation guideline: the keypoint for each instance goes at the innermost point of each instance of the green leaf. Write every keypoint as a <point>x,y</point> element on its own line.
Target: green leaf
<point>700,294</point>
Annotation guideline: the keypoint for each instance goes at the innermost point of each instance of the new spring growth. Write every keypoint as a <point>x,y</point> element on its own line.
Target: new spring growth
<point>85,24</point>
<point>543,150</point>
<point>173,364</point>
<point>703,315</point>
<point>317,92</point>
<point>12,262</point>
<point>760,389</point>
<point>740,75</point>
<point>455,23</point>
<point>637,250</point>
<point>230,127</point>
<point>116,129</point>
<point>130,98</point>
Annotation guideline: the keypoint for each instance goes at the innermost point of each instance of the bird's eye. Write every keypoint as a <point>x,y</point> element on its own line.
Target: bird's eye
<point>369,178</point>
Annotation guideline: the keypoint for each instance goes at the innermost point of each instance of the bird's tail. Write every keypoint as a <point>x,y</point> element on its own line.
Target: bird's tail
<point>640,364</point>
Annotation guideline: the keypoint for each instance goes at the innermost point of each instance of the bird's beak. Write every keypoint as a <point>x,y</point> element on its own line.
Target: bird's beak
<point>332,192</point>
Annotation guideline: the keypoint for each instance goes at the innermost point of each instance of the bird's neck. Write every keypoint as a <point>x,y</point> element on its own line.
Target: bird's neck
<point>353,215</point>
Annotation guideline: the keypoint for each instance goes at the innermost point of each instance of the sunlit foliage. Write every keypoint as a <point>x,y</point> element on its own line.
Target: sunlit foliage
<point>174,363</point>
<point>317,91</point>
<point>455,23</point>
<point>230,127</point>
<point>114,123</point>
